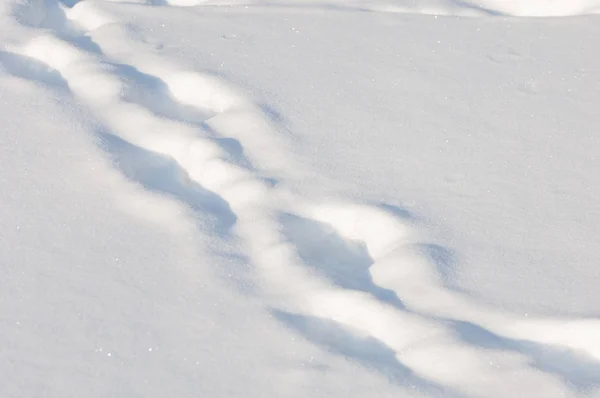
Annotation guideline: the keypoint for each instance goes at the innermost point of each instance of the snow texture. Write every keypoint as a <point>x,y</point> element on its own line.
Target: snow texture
<point>299,198</point>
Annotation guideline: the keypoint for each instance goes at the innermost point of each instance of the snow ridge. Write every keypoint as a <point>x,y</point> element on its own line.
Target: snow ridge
<point>400,301</point>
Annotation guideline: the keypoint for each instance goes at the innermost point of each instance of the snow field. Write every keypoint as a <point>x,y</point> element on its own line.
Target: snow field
<point>206,127</point>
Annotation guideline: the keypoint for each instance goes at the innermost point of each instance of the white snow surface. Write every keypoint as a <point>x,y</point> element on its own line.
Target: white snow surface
<point>289,198</point>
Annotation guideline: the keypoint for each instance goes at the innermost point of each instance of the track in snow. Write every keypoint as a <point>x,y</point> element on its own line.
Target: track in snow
<point>355,278</point>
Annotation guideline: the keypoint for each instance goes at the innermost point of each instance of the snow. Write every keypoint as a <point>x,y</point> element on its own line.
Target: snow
<point>299,198</point>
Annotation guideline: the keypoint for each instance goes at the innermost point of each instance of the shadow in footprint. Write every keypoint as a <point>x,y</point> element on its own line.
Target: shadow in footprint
<point>579,371</point>
<point>164,175</point>
<point>152,93</point>
<point>368,351</point>
<point>30,69</point>
<point>444,262</point>
<point>479,8</point>
<point>443,258</point>
<point>343,262</point>
<point>271,113</point>
<point>397,211</point>
<point>234,150</point>
<point>69,3</point>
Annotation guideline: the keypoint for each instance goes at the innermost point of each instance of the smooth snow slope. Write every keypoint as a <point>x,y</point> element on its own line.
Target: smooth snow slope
<point>297,201</point>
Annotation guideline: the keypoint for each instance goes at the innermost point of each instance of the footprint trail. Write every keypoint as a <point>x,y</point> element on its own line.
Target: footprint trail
<point>351,268</point>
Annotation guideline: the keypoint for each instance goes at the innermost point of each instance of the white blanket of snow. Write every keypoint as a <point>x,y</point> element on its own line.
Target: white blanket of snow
<point>299,198</point>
